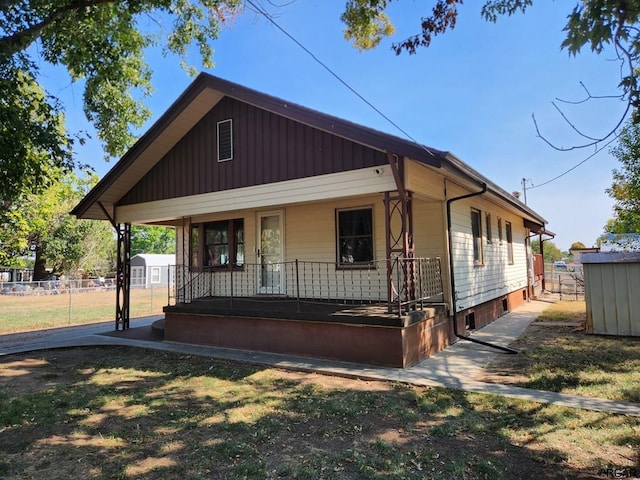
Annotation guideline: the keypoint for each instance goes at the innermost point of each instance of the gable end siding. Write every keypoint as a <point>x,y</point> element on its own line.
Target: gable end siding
<point>267,148</point>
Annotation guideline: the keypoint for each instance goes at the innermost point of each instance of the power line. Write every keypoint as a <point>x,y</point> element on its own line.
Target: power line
<point>334,74</point>
<point>379,112</point>
<point>576,165</point>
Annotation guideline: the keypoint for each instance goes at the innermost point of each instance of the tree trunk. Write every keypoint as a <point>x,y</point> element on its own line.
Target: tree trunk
<point>39,270</point>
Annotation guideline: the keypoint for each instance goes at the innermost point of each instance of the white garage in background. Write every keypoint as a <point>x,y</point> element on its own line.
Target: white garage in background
<point>148,269</point>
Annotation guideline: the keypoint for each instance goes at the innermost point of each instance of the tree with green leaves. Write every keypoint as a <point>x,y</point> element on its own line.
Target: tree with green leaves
<point>101,43</point>
<point>551,252</point>
<point>146,239</point>
<point>42,227</point>
<point>625,189</point>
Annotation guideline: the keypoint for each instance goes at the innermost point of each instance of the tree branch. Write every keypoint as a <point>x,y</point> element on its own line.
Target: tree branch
<point>18,41</point>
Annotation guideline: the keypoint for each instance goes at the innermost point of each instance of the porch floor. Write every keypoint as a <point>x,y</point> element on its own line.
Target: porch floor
<point>308,310</point>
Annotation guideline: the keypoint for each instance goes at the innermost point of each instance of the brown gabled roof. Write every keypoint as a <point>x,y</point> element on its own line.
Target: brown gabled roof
<point>198,99</point>
<point>205,92</point>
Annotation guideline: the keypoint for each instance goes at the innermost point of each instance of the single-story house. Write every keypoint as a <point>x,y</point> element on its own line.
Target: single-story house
<point>151,269</point>
<point>299,232</point>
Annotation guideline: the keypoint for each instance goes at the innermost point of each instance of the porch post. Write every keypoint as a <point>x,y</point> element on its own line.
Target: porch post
<point>399,236</point>
<point>123,275</point>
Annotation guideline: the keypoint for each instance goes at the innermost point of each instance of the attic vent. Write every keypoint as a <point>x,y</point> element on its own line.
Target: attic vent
<point>225,141</point>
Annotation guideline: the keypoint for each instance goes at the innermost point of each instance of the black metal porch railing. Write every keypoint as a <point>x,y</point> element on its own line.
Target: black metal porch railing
<point>415,282</point>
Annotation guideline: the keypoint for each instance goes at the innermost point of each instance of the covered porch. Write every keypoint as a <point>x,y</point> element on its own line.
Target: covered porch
<point>389,313</point>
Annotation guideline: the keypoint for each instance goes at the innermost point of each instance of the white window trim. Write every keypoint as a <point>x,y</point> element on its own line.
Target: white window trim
<point>155,271</point>
<point>480,244</point>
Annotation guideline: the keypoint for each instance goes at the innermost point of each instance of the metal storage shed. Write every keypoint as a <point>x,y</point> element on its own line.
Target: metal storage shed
<point>612,292</point>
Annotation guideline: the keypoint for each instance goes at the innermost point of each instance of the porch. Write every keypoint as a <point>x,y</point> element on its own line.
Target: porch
<point>387,313</point>
<point>391,289</point>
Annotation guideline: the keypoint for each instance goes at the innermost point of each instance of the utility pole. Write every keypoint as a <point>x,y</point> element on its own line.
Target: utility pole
<point>524,189</point>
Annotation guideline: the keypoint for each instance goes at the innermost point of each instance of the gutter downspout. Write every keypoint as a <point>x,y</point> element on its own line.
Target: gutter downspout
<point>453,281</point>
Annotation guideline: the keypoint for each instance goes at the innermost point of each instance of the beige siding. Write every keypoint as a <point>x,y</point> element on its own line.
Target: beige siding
<point>423,180</point>
<point>613,306</point>
<point>429,228</point>
<point>311,237</point>
<point>430,235</point>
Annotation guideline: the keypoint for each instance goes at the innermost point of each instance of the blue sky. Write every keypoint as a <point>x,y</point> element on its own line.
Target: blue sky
<point>473,92</point>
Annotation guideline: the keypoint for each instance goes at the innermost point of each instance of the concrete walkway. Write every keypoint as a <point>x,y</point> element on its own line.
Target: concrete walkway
<point>454,367</point>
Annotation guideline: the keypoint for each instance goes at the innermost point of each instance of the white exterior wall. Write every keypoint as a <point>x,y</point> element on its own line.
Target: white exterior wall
<point>477,284</point>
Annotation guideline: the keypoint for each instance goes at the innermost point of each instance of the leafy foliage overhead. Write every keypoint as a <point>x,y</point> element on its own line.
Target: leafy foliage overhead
<point>625,189</point>
<point>593,24</point>
<point>100,43</point>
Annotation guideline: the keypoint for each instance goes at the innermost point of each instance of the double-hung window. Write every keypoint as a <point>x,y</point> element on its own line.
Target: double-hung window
<point>156,275</point>
<point>355,237</point>
<point>509,235</point>
<point>476,231</point>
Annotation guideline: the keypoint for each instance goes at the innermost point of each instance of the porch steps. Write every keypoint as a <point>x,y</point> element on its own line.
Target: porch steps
<point>157,328</point>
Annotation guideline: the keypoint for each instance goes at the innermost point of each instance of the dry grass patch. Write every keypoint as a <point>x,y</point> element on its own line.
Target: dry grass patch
<point>183,417</point>
<point>566,359</point>
<point>565,311</point>
<point>24,313</point>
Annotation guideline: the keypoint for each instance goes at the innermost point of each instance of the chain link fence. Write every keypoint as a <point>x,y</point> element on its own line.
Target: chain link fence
<point>567,281</point>
<point>63,302</point>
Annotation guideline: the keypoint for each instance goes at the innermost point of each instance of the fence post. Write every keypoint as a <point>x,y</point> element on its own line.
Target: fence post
<point>231,286</point>
<point>70,284</point>
<point>398,260</point>
<point>297,287</point>
<point>560,285</point>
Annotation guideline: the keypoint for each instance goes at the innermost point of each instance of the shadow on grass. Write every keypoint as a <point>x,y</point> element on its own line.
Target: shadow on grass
<point>116,412</point>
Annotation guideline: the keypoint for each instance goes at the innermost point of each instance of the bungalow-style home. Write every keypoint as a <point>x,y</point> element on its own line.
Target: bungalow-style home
<point>151,269</point>
<point>302,233</point>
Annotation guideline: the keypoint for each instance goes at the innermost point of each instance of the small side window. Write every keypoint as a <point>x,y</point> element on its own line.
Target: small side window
<point>509,234</point>
<point>225,140</point>
<point>487,221</point>
<point>476,231</point>
<point>156,275</point>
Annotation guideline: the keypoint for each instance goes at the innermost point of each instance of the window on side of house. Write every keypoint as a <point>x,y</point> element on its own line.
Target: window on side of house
<point>225,140</point>
<point>499,230</point>
<point>217,244</point>
<point>354,237</point>
<point>509,235</point>
<point>476,231</point>
<point>487,222</point>
<point>155,274</point>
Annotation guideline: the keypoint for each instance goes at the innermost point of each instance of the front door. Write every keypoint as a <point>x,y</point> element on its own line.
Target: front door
<point>270,253</point>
